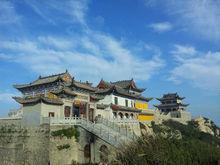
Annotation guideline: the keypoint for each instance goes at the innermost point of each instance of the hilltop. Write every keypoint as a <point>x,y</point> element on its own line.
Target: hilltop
<point>171,142</point>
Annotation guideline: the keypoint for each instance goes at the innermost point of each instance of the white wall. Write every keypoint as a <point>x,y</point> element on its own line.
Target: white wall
<point>105,113</point>
<point>31,114</point>
<point>107,100</point>
<point>46,108</point>
<point>121,101</point>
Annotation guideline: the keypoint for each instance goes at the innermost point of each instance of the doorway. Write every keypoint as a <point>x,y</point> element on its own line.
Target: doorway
<point>67,111</point>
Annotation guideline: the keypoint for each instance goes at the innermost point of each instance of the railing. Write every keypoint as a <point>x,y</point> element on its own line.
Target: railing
<point>10,118</point>
<point>106,130</point>
<point>65,120</point>
<point>120,125</point>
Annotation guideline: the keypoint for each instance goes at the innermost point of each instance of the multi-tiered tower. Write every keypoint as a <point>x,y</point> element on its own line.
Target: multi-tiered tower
<point>171,105</point>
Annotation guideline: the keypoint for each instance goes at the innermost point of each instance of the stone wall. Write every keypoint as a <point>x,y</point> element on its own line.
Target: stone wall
<point>23,145</point>
<point>76,152</point>
<point>38,146</point>
<point>183,118</point>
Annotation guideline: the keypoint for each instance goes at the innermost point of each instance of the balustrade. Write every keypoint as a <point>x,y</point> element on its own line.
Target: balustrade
<point>109,131</point>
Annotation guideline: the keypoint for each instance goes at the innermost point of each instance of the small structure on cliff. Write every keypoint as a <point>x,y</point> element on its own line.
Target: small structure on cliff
<point>172,107</point>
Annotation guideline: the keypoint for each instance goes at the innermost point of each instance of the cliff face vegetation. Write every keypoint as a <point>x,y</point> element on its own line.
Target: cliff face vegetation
<point>174,144</point>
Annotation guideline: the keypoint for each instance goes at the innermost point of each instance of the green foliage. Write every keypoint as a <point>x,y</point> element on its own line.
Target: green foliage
<point>191,131</point>
<point>75,163</point>
<point>194,148</point>
<point>149,150</point>
<point>69,133</point>
<point>65,146</point>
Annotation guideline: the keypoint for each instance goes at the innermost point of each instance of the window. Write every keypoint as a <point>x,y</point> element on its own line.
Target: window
<point>51,114</point>
<point>116,101</point>
<point>126,103</point>
<point>132,104</point>
<point>67,111</point>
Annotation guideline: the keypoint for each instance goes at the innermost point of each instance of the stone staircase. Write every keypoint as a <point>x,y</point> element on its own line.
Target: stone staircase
<point>106,130</point>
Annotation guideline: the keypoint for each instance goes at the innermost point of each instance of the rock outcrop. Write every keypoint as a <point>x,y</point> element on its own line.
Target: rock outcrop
<point>206,125</point>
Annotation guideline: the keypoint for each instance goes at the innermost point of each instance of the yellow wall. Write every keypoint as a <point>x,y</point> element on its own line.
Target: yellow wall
<point>145,117</point>
<point>141,105</point>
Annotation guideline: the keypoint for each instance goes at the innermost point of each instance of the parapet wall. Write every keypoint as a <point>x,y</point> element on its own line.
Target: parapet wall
<point>184,117</point>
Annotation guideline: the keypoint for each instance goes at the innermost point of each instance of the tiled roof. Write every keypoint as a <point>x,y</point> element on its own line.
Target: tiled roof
<point>104,84</point>
<point>171,105</point>
<point>123,92</point>
<point>147,112</point>
<point>65,90</point>
<point>96,97</point>
<point>43,80</point>
<point>170,96</point>
<point>125,84</point>
<point>87,86</point>
<point>37,99</point>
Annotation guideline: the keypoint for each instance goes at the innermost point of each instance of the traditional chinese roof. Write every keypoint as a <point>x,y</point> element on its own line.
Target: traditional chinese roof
<point>118,90</point>
<point>64,90</point>
<point>104,84</point>
<point>37,99</point>
<point>170,96</point>
<point>125,84</point>
<point>96,97</point>
<point>124,108</point>
<point>46,80</point>
<point>128,84</point>
<point>171,105</point>
<point>83,85</point>
<point>147,112</point>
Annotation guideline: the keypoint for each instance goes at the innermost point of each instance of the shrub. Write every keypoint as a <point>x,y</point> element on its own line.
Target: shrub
<point>65,146</point>
<point>194,148</point>
<point>69,133</point>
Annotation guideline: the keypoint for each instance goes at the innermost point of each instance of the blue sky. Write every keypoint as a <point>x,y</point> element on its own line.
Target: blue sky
<point>166,46</point>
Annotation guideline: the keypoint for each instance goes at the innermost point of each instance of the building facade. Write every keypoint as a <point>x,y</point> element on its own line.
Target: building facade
<point>172,106</point>
<point>62,96</point>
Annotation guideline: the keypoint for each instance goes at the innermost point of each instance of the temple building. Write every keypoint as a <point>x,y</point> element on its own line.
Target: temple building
<point>172,105</point>
<point>62,96</point>
<point>125,100</point>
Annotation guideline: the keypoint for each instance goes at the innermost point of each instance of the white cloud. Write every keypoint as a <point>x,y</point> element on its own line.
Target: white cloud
<point>203,17</point>
<point>200,17</point>
<point>105,57</point>
<point>201,69</point>
<point>183,52</point>
<point>59,43</point>
<point>54,11</point>
<point>8,13</point>
<point>88,54</point>
<point>161,27</point>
